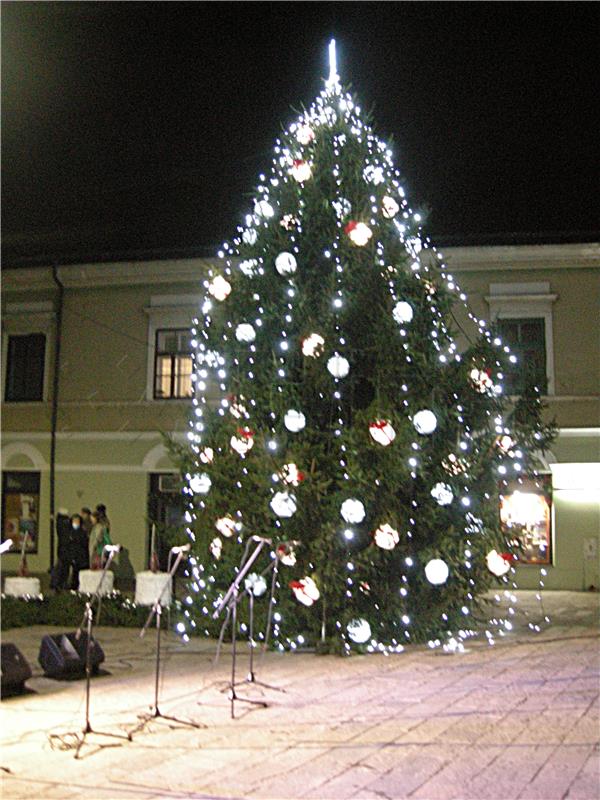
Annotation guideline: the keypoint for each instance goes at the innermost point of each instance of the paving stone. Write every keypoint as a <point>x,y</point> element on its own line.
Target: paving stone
<point>495,723</point>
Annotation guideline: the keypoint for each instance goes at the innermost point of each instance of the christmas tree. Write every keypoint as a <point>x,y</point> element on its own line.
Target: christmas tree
<point>335,414</point>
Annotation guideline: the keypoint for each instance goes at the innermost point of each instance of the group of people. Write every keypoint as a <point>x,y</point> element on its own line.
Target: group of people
<point>81,541</point>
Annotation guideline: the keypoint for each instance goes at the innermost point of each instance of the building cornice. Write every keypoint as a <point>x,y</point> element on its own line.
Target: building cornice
<point>523,257</point>
<point>118,273</point>
<point>189,270</point>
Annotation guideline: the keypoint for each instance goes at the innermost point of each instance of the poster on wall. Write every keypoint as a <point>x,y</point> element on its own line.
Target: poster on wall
<point>526,516</point>
<point>21,510</point>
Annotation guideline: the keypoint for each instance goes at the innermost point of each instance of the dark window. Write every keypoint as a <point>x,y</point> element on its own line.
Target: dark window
<point>25,367</point>
<point>21,509</point>
<point>166,509</point>
<point>527,340</point>
<point>173,365</point>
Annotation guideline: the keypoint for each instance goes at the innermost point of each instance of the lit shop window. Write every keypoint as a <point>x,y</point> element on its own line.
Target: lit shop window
<point>526,517</point>
<point>173,365</point>
<point>21,509</point>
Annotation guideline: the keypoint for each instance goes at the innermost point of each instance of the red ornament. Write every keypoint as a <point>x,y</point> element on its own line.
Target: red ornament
<point>382,432</point>
<point>350,226</point>
<point>247,433</point>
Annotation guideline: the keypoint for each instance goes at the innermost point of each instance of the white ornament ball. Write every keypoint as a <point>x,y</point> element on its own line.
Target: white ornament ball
<point>374,174</point>
<point>414,246</point>
<point>496,564</point>
<point>215,547</point>
<point>301,170</point>
<point>200,483</point>
<point>305,134</point>
<point>263,209</point>
<point>249,236</point>
<point>219,288</point>
<point>312,346</point>
<point>436,571</point>
<point>403,312</point>
<point>245,332</point>
<point>386,537</point>
<point>305,591</point>
<point>255,584</point>
<point>359,233</point>
<point>382,432</point>
<point>294,420</point>
<point>249,267</point>
<point>338,366</point>
<point>442,493</point>
<point>359,631</point>
<point>286,264</point>
<point>352,510</point>
<point>389,207</point>
<point>284,504</point>
<point>207,455</point>
<point>225,526</point>
<point>425,422</point>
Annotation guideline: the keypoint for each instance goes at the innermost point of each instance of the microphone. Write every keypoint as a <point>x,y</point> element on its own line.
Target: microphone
<point>184,548</point>
<point>112,548</point>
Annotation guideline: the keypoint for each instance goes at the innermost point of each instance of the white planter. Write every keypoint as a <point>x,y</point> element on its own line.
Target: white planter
<point>22,587</point>
<point>90,578</point>
<point>148,585</point>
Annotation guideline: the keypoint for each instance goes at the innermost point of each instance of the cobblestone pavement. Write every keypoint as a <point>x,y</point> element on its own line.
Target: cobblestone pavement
<point>518,720</point>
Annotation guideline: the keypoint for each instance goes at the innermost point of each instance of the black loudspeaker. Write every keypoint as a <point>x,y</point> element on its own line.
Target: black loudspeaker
<point>15,670</point>
<point>62,655</point>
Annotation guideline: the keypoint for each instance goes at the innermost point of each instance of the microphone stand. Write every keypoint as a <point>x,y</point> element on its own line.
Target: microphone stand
<point>230,602</point>
<point>251,676</point>
<point>88,620</point>
<point>157,610</point>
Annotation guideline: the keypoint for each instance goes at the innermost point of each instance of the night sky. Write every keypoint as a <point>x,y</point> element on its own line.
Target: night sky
<point>130,127</point>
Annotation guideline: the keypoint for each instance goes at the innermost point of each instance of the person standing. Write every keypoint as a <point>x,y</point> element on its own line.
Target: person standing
<point>86,522</point>
<point>99,536</point>
<point>79,556</point>
<point>60,571</point>
<point>103,516</point>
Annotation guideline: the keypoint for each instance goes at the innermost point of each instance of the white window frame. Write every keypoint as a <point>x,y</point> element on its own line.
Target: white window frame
<point>167,312</point>
<point>23,319</point>
<point>527,301</point>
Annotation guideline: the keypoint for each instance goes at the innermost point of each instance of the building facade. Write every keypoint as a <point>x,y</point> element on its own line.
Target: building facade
<point>96,368</point>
